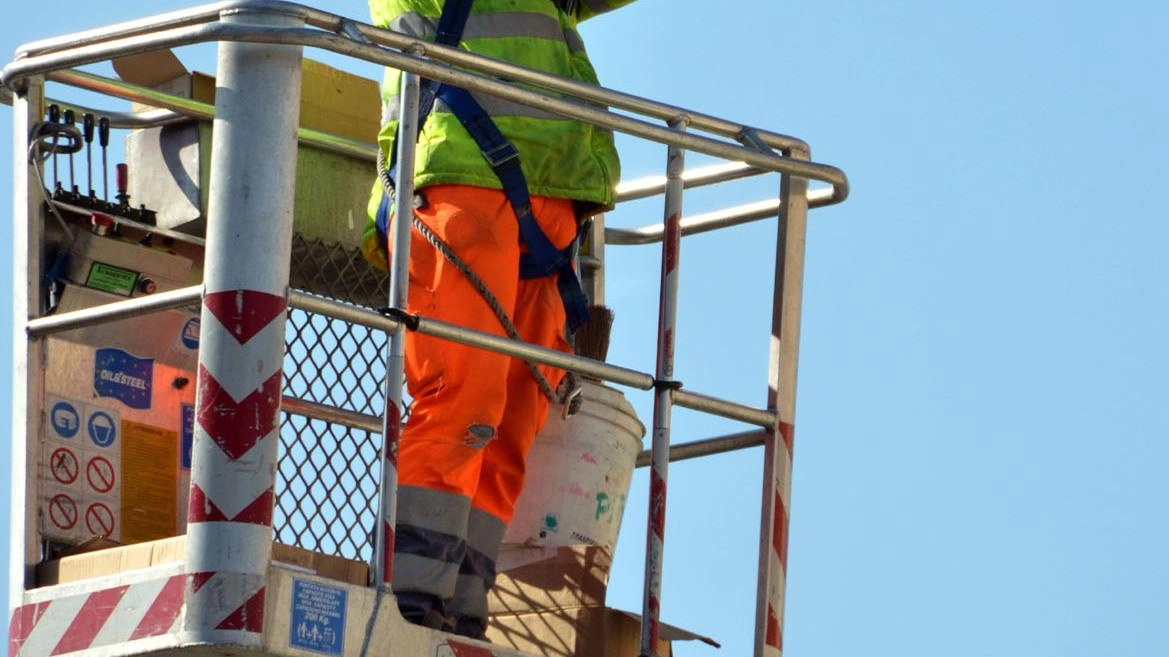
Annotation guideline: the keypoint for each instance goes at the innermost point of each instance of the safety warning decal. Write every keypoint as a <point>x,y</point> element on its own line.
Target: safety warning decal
<point>318,617</point>
<point>100,475</point>
<point>64,419</point>
<point>102,428</point>
<point>99,520</point>
<point>64,466</point>
<point>63,512</point>
<point>123,376</point>
<point>189,336</point>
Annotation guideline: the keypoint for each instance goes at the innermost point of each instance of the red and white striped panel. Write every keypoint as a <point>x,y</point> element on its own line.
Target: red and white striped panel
<point>233,473</point>
<point>773,638</point>
<point>115,615</point>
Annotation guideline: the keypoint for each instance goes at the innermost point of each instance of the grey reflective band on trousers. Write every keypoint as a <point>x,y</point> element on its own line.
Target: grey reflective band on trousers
<point>430,541</point>
<point>477,573</point>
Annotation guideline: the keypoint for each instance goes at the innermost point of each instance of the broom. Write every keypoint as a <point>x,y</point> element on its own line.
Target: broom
<point>592,338</point>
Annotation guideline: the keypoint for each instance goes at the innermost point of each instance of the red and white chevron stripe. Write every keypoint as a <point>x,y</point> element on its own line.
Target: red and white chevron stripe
<point>99,618</point>
<point>233,473</point>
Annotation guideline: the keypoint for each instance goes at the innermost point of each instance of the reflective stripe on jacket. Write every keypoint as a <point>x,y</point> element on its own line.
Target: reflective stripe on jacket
<point>560,157</point>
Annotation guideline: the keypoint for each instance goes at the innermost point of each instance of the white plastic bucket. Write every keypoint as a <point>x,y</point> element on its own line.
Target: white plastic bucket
<point>578,474</point>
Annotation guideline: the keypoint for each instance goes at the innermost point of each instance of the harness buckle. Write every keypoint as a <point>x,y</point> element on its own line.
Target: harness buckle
<point>500,154</point>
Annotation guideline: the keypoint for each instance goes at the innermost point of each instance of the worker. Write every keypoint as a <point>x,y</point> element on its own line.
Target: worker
<point>475,413</point>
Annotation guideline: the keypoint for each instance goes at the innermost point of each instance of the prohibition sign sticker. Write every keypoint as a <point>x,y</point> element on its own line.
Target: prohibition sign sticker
<point>64,465</point>
<point>100,474</point>
<point>63,511</point>
<point>99,519</point>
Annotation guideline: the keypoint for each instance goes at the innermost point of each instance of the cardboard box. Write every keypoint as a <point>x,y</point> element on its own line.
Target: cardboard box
<point>551,601</point>
<point>331,100</point>
<point>112,560</point>
<point>538,578</point>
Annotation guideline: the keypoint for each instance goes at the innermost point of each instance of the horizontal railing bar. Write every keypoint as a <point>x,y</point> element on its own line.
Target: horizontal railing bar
<point>114,311</point>
<point>600,117</point>
<point>702,223</point>
<point>341,25</point>
<point>331,414</point>
<point>723,408</point>
<point>343,311</point>
<point>700,176</point>
<point>541,355</point>
<point>708,447</point>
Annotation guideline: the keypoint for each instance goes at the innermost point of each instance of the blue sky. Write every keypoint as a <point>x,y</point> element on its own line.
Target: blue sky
<point>981,422</point>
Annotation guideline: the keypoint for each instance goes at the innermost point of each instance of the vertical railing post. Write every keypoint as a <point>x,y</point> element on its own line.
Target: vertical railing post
<point>663,398</point>
<point>28,301</point>
<point>245,300</point>
<point>396,362</point>
<point>781,398</point>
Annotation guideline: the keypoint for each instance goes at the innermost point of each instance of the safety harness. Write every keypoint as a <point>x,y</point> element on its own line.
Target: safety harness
<point>542,258</point>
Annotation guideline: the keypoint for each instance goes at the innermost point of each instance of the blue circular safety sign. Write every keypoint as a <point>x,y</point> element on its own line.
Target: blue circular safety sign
<point>102,430</point>
<point>65,420</point>
<point>190,334</point>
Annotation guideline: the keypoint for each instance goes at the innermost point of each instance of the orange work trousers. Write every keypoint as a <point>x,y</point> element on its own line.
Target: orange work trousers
<point>475,413</point>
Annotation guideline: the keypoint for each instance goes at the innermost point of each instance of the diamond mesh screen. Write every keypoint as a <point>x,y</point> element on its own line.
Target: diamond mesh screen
<point>328,474</point>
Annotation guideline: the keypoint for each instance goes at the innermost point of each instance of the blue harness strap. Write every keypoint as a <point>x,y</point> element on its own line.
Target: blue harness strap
<point>542,257</point>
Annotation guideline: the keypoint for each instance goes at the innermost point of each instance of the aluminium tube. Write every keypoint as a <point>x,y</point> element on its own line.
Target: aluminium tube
<point>781,398</point>
<point>383,566</point>
<point>241,355</point>
<point>663,400</point>
<point>114,311</point>
<point>709,221</point>
<point>535,353</point>
<point>470,81</point>
<point>27,373</point>
<point>707,447</point>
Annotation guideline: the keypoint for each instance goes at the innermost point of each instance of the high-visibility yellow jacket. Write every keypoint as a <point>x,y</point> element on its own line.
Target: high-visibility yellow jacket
<point>560,157</point>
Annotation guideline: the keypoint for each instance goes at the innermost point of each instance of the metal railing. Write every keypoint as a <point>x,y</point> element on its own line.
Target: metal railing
<point>332,405</point>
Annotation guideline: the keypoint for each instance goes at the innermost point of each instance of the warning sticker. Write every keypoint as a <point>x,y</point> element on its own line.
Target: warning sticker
<point>102,428</point>
<point>99,520</point>
<point>189,335</point>
<point>64,465</point>
<point>149,507</point>
<point>63,512</point>
<point>100,476</point>
<point>318,617</point>
<point>63,418</point>
<point>114,280</point>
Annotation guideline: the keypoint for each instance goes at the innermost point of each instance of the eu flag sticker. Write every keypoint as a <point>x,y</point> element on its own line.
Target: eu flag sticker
<point>123,376</point>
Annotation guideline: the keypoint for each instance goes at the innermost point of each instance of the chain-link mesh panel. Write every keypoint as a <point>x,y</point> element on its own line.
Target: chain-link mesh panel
<point>328,474</point>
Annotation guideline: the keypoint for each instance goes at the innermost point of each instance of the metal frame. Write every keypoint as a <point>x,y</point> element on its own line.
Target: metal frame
<point>285,27</point>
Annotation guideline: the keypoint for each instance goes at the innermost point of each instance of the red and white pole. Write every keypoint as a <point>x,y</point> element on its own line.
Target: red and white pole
<point>781,398</point>
<point>663,398</point>
<point>249,236</point>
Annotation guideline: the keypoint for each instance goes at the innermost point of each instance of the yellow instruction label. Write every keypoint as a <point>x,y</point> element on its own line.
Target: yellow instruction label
<point>150,457</point>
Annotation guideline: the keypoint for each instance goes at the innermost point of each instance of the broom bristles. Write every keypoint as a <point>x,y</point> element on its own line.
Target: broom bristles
<point>592,338</point>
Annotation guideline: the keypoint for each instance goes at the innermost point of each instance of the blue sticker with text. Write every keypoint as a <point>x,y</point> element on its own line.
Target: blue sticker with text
<point>65,419</point>
<point>188,413</point>
<point>318,617</point>
<point>123,376</point>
